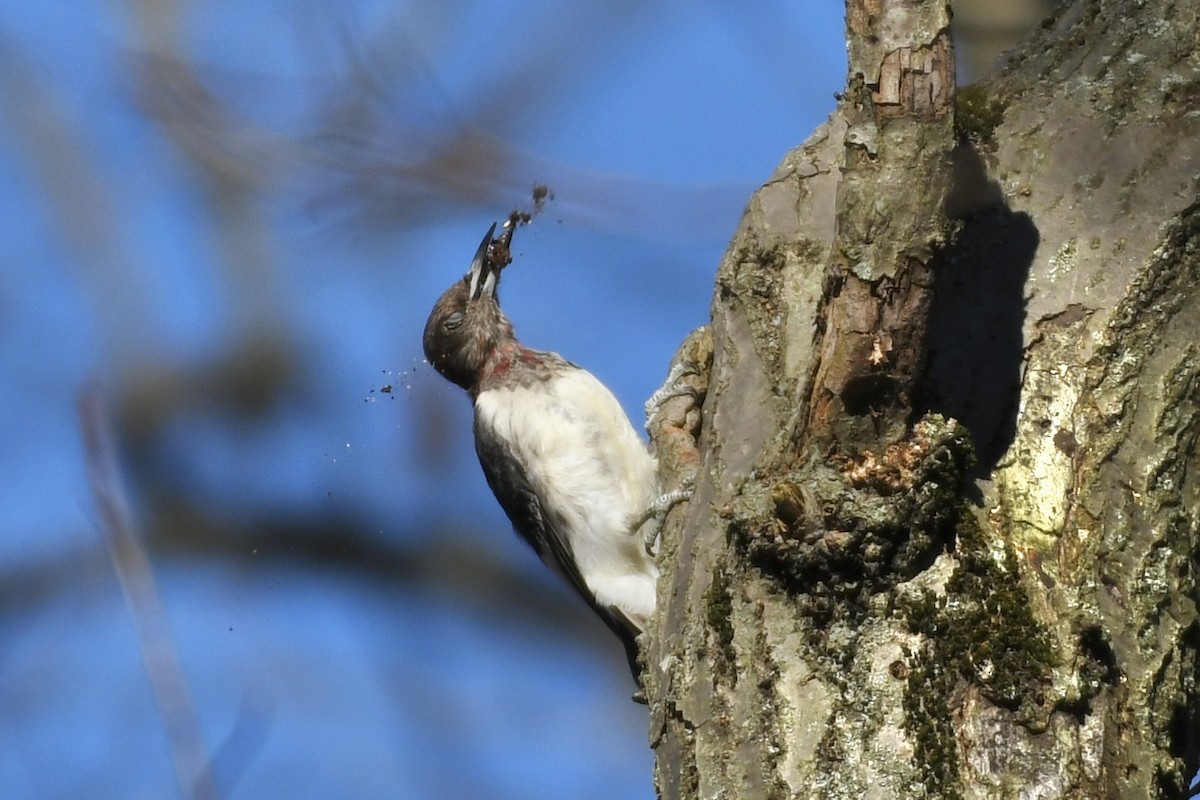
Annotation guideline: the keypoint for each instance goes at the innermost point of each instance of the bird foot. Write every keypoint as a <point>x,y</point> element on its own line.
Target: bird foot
<point>673,386</point>
<point>656,514</point>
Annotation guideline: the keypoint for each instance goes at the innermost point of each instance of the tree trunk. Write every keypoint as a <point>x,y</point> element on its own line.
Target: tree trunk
<point>944,535</point>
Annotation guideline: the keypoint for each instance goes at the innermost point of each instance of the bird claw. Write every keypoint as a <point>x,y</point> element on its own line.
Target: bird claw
<point>673,386</point>
<point>657,513</point>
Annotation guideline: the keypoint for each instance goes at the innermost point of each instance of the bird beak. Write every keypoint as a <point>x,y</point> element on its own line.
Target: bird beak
<point>484,272</point>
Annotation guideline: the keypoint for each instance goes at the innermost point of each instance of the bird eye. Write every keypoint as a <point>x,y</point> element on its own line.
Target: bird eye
<point>453,321</point>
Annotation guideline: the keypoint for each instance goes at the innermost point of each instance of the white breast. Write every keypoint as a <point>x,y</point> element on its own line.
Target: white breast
<point>592,473</point>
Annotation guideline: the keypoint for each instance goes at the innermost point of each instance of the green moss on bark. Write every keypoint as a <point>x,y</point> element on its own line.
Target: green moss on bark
<point>980,632</point>
<point>977,114</point>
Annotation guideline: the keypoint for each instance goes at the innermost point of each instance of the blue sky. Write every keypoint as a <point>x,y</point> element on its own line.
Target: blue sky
<point>122,264</point>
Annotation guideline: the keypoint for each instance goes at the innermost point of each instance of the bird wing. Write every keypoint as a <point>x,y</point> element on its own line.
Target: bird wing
<point>511,485</point>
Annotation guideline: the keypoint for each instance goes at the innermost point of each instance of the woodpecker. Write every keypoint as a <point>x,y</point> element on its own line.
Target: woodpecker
<point>562,458</point>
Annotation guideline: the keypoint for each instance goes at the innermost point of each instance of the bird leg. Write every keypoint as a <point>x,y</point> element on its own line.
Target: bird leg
<point>673,420</point>
<point>656,514</point>
<point>673,386</point>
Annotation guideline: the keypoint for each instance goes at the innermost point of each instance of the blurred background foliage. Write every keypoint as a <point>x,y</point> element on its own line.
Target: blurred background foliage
<point>272,567</point>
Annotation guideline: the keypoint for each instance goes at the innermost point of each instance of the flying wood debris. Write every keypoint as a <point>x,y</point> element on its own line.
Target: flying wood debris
<point>499,252</point>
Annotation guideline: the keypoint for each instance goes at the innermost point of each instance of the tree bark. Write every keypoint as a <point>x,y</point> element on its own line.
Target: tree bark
<point>944,535</point>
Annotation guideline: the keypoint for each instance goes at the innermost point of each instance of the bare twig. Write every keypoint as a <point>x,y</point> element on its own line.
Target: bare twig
<point>192,767</point>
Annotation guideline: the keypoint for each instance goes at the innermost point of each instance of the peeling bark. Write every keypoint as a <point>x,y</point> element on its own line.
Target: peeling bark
<point>850,605</point>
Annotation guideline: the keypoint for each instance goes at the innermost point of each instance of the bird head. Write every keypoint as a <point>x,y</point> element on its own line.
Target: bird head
<point>466,324</point>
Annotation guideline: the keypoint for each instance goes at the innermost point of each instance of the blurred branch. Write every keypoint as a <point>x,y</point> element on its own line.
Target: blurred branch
<point>51,143</point>
<point>192,768</point>
<point>85,204</point>
<point>394,147</point>
<point>984,30</point>
<point>235,164</point>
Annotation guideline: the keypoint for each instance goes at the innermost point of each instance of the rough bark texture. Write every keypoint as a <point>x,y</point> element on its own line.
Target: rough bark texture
<point>848,608</point>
